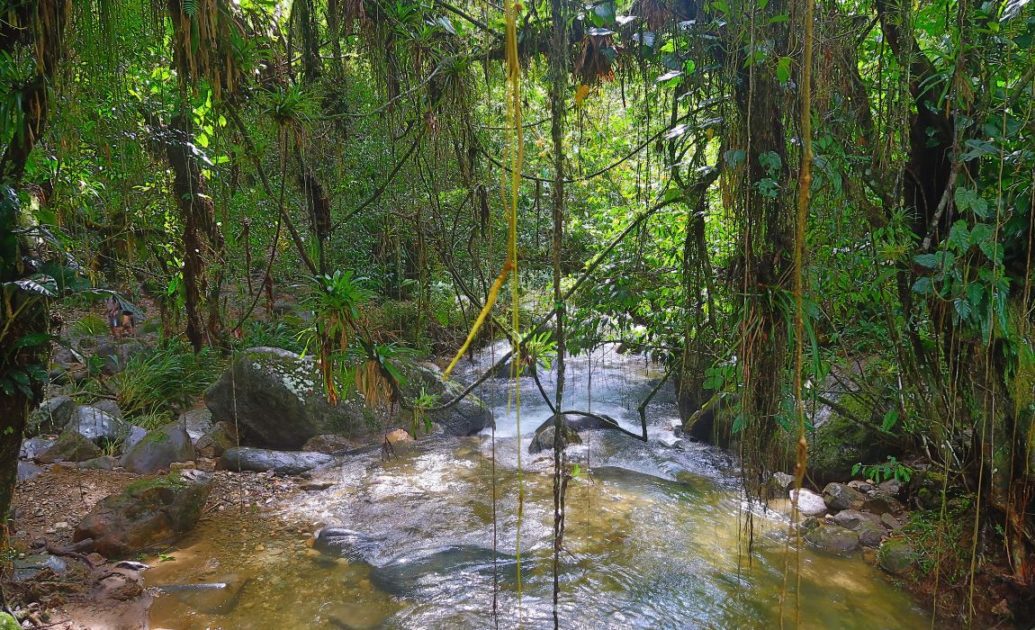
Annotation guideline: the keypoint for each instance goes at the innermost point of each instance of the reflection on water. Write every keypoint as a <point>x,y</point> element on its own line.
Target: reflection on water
<point>652,539</point>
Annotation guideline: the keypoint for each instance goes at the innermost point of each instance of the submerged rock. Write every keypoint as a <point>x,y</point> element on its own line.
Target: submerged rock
<point>217,598</point>
<point>428,571</point>
<point>150,512</point>
<point>349,544</point>
<point>159,449</point>
<point>833,539</point>
<point>280,462</point>
<point>69,447</point>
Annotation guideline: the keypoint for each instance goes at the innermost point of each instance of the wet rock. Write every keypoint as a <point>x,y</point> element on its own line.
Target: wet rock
<point>839,496</point>
<point>781,482</point>
<point>852,519</point>
<point>467,417</point>
<point>330,443</point>
<point>27,470</point>
<point>69,447</point>
<point>197,422</point>
<point>151,511</point>
<point>217,598</point>
<point>159,449</point>
<point>104,462</point>
<point>109,407</point>
<point>880,503</point>
<point>544,439</point>
<point>216,440</point>
<point>430,572</point>
<point>398,435</point>
<point>97,426</point>
<point>896,556</point>
<point>833,539</point>
<point>29,567</point>
<point>809,503</point>
<point>132,565</point>
<point>341,542</point>
<point>51,416</point>
<point>280,462</point>
<point>34,446</point>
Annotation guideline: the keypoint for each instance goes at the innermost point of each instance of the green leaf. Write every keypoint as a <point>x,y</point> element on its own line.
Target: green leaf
<point>922,286</point>
<point>927,261</point>
<point>783,69</point>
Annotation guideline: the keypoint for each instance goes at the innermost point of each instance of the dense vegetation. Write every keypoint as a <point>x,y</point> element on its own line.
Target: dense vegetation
<point>788,203</point>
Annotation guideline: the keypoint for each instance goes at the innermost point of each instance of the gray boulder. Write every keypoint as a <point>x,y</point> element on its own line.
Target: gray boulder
<point>833,539</point>
<point>852,519</point>
<point>197,422</point>
<point>158,449</point>
<point>280,462</point>
<point>51,416</point>
<point>839,496</point>
<point>809,503</point>
<point>133,438</point>
<point>27,470</point>
<point>545,438</point>
<point>104,462</point>
<point>69,447</point>
<point>97,426</point>
<point>216,440</point>
<point>108,406</point>
<point>115,354</point>
<point>33,447</point>
<point>870,534</point>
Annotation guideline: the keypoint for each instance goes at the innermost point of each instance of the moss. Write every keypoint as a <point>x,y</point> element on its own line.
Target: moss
<point>7,622</point>
<point>171,480</point>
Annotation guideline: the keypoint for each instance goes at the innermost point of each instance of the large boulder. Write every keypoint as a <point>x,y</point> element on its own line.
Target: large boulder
<point>150,512</point>
<point>833,539</point>
<point>809,503</point>
<point>108,406</point>
<point>32,447</point>
<point>839,496</point>
<point>278,401</point>
<point>158,449</point>
<point>97,426</point>
<point>216,440</point>
<point>51,416</point>
<point>69,447</point>
<point>896,556</point>
<point>197,422</point>
<point>280,462</point>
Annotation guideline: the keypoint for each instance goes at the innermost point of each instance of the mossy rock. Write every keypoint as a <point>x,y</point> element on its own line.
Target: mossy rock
<point>159,449</point>
<point>837,444</point>
<point>896,556</point>
<point>69,447</point>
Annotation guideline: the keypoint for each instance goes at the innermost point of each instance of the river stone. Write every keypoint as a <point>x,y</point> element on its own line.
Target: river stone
<point>159,448</point>
<point>852,519</point>
<point>833,539</point>
<point>543,440</point>
<point>109,407</point>
<point>870,534</point>
<point>862,486</point>
<point>896,556</point>
<point>27,470</point>
<point>341,542</point>
<point>33,447</point>
<point>781,482</point>
<point>889,521</point>
<point>150,512</point>
<point>197,422</point>
<point>839,496</point>
<point>879,503</point>
<point>330,443</point>
<point>429,572</point>
<point>467,417</point>
<point>216,440</point>
<point>280,462</point>
<point>219,597</point>
<point>97,426</point>
<point>51,416</point>
<point>809,503</point>
<point>69,447</point>
<point>891,487</point>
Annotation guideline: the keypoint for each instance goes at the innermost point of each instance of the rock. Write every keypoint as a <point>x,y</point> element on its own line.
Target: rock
<point>781,483</point>
<point>187,465</point>
<point>543,440</point>
<point>217,598</point>
<point>839,496</point>
<point>896,556</point>
<point>135,435</point>
<point>27,470</point>
<point>29,567</point>
<point>97,426</point>
<point>889,521</point>
<point>330,443</point>
<point>280,462</point>
<point>34,446</point>
<point>426,572</point>
<point>837,444</point>
<point>197,422</point>
<point>115,354</point>
<point>316,486</point>
<point>159,449</point>
<point>880,503</point>
<point>398,435</point>
<point>150,512</point>
<point>467,417</point>
<point>51,416</point>
<point>809,503</point>
<point>833,539</point>
<point>109,407</point>
<point>69,447</point>
<point>891,487</point>
<point>870,534</point>
<point>349,544</point>
<point>852,519</point>
<point>861,486</point>
<point>216,440</point>
<point>105,462</point>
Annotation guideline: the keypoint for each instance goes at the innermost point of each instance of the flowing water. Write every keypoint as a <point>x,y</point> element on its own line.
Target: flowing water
<point>654,536</point>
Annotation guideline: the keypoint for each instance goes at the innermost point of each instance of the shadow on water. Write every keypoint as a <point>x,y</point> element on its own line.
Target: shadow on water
<point>653,538</point>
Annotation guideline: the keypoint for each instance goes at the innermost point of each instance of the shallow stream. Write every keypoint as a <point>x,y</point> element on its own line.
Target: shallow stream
<point>654,536</point>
